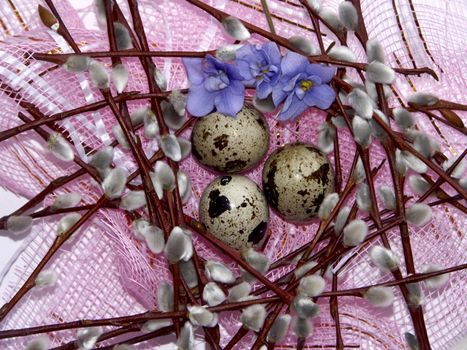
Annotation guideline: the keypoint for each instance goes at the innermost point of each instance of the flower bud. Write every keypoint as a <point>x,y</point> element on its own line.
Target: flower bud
<point>213,294</point>
<point>380,296</point>
<point>18,224</point>
<point>235,28</point>
<point>99,75</point>
<point>46,278</point>
<point>218,272</point>
<point>60,147</point>
<point>87,337</point>
<point>253,317</point>
<point>119,77</point>
<point>115,182</point>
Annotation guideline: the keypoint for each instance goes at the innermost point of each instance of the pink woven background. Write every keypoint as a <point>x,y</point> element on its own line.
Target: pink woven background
<point>124,275</point>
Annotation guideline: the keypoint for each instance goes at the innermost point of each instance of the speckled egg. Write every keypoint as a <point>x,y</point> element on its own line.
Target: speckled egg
<point>296,178</point>
<point>231,144</point>
<point>234,209</point>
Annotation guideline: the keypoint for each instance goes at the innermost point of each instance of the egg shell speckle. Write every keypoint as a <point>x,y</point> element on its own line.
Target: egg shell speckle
<point>296,178</point>
<point>234,209</point>
<point>231,144</point>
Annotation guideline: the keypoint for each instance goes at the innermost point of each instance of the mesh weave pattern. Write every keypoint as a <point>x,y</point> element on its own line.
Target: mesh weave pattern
<point>123,276</point>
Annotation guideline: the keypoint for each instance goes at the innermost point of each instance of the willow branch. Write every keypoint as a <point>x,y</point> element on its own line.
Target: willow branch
<point>123,321</point>
<point>58,242</point>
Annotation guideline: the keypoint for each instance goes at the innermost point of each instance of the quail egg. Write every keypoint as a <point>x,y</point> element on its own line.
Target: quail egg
<point>234,210</point>
<point>296,178</point>
<point>231,144</point>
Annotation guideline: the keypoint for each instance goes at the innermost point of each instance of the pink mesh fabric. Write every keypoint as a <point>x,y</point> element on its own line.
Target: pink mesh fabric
<point>106,272</point>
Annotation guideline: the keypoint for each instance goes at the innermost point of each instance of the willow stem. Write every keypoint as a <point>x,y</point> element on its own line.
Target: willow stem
<point>418,277</point>
<point>61,58</point>
<point>128,320</point>
<point>30,282</point>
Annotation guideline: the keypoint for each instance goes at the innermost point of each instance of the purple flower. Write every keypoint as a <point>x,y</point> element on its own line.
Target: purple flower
<point>213,84</point>
<point>302,85</point>
<point>260,66</point>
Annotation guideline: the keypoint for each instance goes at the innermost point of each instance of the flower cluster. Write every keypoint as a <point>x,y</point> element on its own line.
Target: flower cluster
<point>290,81</point>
